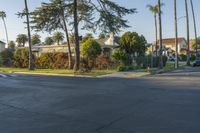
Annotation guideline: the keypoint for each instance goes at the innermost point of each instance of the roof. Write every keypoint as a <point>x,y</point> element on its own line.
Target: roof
<point>2,42</point>
<point>103,40</point>
<point>172,40</point>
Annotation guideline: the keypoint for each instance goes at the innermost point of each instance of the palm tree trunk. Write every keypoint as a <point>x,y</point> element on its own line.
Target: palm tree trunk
<point>160,35</point>
<point>176,34</point>
<point>195,27</point>
<point>29,36</point>
<point>77,47</point>
<point>156,33</point>
<point>188,33</point>
<point>5,30</point>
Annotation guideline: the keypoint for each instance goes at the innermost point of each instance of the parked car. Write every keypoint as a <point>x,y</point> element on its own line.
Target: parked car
<point>196,62</point>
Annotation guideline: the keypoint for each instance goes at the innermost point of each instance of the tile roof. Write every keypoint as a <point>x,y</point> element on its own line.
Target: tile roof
<point>172,40</point>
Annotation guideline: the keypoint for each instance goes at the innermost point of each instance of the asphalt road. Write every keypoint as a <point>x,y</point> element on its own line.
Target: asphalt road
<point>158,104</point>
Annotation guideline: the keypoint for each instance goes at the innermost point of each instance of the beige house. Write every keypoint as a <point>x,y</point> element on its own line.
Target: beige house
<point>107,44</point>
<point>2,46</point>
<point>169,46</point>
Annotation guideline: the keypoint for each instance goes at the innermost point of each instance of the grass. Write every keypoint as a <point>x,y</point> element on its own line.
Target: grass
<point>92,73</point>
<point>168,68</point>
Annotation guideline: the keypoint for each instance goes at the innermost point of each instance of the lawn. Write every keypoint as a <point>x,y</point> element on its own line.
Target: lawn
<point>63,72</point>
<point>169,67</point>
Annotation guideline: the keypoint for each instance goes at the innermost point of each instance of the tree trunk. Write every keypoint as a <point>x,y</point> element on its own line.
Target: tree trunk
<point>156,33</point>
<point>160,35</point>
<point>195,27</point>
<point>29,36</point>
<point>6,30</point>
<point>68,43</point>
<point>188,33</point>
<point>176,34</point>
<point>77,47</point>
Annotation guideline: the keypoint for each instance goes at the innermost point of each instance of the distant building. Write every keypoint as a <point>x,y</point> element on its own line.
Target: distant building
<point>2,46</point>
<point>107,44</point>
<point>169,46</point>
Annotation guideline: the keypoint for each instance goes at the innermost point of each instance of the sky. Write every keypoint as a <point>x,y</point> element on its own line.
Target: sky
<point>141,22</point>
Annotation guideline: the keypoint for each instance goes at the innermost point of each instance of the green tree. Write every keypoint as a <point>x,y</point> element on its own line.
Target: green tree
<point>11,45</point>
<point>52,16</point>
<point>35,39</point>
<point>111,19</point>
<point>130,44</point>
<point>3,16</point>
<point>49,41</point>
<point>196,45</point>
<point>86,37</point>
<point>22,39</point>
<point>102,36</point>
<point>58,37</point>
<point>90,49</point>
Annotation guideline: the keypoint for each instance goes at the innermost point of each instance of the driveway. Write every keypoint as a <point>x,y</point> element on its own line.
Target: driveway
<point>43,104</point>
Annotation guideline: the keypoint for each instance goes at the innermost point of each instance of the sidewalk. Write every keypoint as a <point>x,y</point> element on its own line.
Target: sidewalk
<point>125,75</point>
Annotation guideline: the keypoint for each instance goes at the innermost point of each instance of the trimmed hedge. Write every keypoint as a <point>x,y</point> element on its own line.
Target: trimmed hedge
<point>52,61</point>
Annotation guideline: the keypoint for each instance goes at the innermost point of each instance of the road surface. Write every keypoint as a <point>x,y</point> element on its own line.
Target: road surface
<point>157,104</point>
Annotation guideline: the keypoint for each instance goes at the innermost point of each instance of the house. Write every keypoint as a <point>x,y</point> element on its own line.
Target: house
<point>107,44</point>
<point>169,46</point>
<point>2,46</point>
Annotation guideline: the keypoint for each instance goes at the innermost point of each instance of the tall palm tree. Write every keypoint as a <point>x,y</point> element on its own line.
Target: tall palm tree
<point>58,37</point>
<point>22,39</point>
<point>154,10</point>
<point>3,16</point>
<point>195,27</point>
<point>76,36</point>
<point>188,33</point>
<point>29,36</point>
<point>160,34</point>
<point>176,34</point>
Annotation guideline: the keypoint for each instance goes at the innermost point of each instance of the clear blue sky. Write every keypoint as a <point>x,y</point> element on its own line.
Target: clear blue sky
<point>142,22</point>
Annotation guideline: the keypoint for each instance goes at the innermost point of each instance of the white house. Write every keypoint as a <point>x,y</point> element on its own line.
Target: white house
<point>2,46</point>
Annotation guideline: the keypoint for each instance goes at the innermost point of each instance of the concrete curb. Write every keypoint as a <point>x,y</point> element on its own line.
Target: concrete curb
<point>50,74</point>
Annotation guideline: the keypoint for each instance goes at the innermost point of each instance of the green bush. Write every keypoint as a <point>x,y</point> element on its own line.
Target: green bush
<point>144,62</point>
<point>52,61</point>
<point>7,57</point>
<point>183,57</point>
<point>121,57</point>
<point>21,58</point>
<point>104,62</point>
<point>125,68</point>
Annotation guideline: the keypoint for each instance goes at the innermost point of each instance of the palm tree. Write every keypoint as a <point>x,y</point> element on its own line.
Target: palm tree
<point>49,41</point>
<point>160,33</point>
<point>188,33</point>
<point>29,36</point>
<point>3,16</point>
<point>176,34</point>
<point>154,10</point>
<point>195,28</point>
<point>22,39</point>
<point>58,37</point>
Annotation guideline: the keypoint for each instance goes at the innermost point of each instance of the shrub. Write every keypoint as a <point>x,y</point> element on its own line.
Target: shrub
<point>103,62</point>
<point>7,58</point>
<point>125,68</point>
<point>21,58</point>
<point>52,61</point>
<point>121,57</point>
<point>90,50</point>
<point>144,62</point>
<point>183,57</point>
